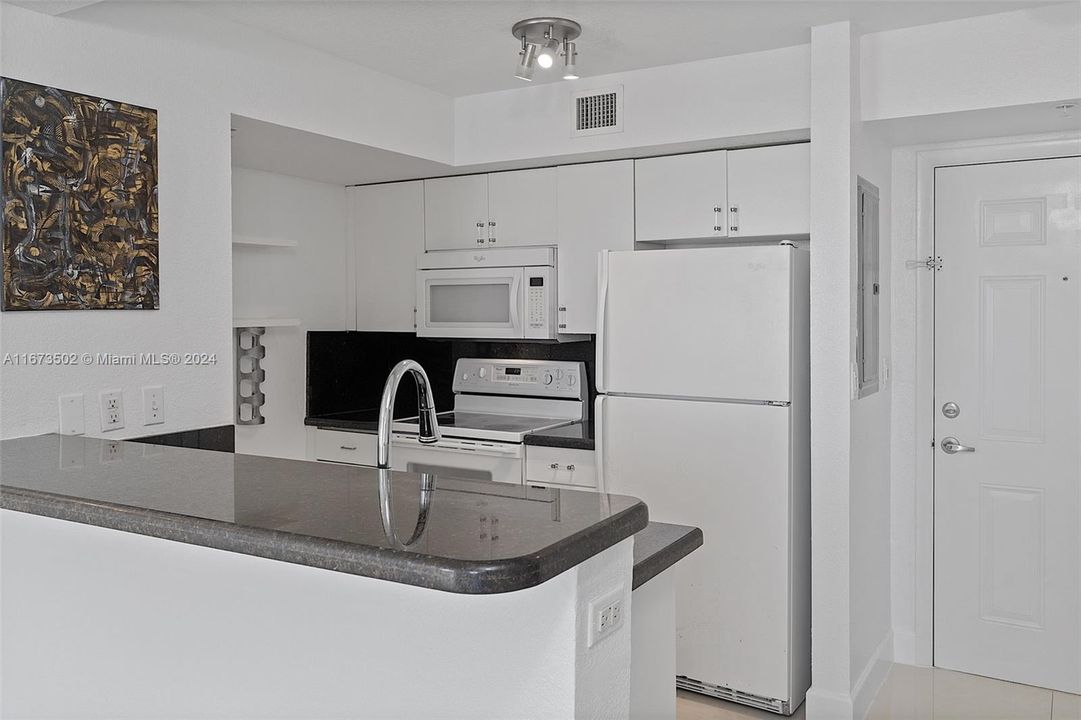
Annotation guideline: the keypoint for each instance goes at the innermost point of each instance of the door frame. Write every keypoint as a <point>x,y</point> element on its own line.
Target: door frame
<point>928,159</point>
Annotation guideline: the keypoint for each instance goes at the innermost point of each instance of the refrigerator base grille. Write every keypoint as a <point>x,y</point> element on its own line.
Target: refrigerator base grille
<point>781,707</point>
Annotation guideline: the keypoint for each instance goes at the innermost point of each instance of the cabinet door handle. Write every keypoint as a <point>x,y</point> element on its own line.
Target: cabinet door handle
<point>348,447</point>
<point>554,466</point>
<point>480,232</point>
<point>733,213</point>
<point>571,468</point>
<point>717,210</point>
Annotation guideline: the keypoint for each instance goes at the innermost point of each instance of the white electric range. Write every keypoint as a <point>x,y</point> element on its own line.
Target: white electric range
<point>496,404</point>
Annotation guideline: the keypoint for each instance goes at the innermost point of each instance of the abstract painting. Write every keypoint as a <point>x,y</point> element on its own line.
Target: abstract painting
<point>80,198</point>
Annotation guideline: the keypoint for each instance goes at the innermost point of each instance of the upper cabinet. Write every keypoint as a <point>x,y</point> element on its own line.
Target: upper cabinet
<point>769,191</point>
<point>522,208</point>
<point>456,212</point>
<point>681,197</point>
<point>506,209</point>
<point>596,212</point>
<point>387,230</point>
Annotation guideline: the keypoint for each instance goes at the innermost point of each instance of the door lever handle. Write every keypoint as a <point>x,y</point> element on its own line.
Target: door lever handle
<point>952,446</point>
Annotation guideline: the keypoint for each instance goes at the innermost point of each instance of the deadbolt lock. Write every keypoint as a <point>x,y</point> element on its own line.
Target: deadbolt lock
<point>951,410</point>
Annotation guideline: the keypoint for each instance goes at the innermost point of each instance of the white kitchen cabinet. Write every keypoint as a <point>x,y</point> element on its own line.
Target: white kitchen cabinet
<point>769,191</point>
<point>681,197</point>
<point>456,212</point>
<point>596,212</point>
<point>522,208</point>
<point>354,448</point>
<point>565,467</point>
<point>387,229</point>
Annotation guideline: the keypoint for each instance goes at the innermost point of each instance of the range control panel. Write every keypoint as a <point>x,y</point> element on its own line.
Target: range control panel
<point>531,378</point>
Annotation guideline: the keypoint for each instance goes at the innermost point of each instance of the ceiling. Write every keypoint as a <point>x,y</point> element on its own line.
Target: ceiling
<point>463,47</point>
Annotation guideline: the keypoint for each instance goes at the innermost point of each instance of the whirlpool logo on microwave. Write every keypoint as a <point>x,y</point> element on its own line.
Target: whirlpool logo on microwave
<point>480,258</point>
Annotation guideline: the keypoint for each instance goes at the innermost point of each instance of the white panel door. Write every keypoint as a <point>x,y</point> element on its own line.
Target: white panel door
<point>711,322</point>
<point>681,197</point>
<point>522,208</point>
<point>456,212</point>
<point>1008,513</point>
<point>387,226</point>
<point>769,191</point>
<point>596,212</point>
<point>722,467</point>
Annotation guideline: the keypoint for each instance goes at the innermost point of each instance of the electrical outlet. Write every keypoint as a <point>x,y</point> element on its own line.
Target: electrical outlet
<point>605,615</point>
<point>112,410</point>
<point>153,405</point>
<point>71,415</point>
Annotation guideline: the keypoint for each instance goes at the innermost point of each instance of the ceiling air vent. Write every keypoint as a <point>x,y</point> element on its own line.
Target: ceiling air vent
<point>597,112</point>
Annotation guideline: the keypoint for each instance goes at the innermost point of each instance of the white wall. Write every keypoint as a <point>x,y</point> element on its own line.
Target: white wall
<point>1013,58</point>
<point>194,82</point>
<point>871,648</point>
<point>307,281</point>
<point>834,99</point>
<point>730,97</point>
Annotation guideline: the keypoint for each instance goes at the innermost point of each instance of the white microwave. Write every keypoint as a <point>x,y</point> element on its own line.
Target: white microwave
<point>504,294</point>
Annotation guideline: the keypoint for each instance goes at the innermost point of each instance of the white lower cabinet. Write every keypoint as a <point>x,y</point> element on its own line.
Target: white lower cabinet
<point>560,467</point>
<point>354,448</point>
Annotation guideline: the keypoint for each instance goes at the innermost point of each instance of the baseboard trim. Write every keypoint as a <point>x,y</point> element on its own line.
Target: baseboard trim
<point>825,705</point>
<point>871,678</point>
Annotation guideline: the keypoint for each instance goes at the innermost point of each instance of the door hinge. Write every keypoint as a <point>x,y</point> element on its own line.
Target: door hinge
<point>931,263</point>
<point>414,318</point>
<point>778,403</point>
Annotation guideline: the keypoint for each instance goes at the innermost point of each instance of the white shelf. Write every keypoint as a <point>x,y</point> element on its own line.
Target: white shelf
<point>265,322</point>
<point>263,241</point>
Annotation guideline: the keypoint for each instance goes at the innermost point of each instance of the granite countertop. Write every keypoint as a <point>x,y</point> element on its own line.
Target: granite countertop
<point>659,546</point>
<point>479,537</point>
<point>577,436</point>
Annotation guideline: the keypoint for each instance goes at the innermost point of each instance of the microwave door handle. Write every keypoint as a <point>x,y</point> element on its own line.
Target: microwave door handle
<point>516,304</point>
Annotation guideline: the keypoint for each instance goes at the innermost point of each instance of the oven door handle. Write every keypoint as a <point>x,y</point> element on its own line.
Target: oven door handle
<point>494,449</point>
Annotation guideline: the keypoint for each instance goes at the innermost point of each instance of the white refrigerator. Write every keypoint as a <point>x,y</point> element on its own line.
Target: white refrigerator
<point>703,373</point>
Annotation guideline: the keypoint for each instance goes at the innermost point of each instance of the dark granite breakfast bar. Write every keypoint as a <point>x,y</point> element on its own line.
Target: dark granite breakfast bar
<point>476,538</point>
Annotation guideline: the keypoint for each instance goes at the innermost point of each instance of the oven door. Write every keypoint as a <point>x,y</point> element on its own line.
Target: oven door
<point>456,457</point>
<point>470,303</point>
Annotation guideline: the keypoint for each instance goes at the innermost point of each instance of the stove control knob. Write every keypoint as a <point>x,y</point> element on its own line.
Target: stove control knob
<point>559,374</point>
<point>572,380</point>
<point>465,376</point>
<point>483,372</point>
<point>548,378</point>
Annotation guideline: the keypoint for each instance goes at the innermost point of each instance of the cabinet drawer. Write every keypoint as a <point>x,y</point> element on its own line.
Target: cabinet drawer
<point>560,466</point>
<point>354,448</point>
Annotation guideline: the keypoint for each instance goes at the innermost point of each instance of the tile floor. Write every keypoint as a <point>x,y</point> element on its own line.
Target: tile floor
<point>913,693</point>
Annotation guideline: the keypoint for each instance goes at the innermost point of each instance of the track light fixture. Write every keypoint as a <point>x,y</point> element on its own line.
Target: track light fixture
<point>542,39</point>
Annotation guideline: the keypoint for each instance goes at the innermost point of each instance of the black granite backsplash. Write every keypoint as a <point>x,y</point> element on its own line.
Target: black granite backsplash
<point>346,370</point>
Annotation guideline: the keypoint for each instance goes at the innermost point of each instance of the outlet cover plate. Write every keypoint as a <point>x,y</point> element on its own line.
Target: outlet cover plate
<point>606,614</point>
<point>112,410</point>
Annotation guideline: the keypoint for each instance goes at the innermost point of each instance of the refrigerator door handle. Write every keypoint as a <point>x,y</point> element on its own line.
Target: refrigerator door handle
<point>598,442</point>
<point>602,312</point>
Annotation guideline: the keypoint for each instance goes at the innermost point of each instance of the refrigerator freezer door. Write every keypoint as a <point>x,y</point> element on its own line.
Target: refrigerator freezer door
<point>722,467</point>
<point>699,323</point>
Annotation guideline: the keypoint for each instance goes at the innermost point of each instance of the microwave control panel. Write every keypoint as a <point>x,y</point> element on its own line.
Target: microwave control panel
<point>533,378</point>
<point>539,298</point>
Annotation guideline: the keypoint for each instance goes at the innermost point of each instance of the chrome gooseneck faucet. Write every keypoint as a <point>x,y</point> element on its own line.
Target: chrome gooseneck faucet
<point>429,426</point>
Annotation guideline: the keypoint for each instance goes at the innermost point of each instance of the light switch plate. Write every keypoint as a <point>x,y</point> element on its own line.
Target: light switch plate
<point>153,405</point>
<point>72,421</point>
